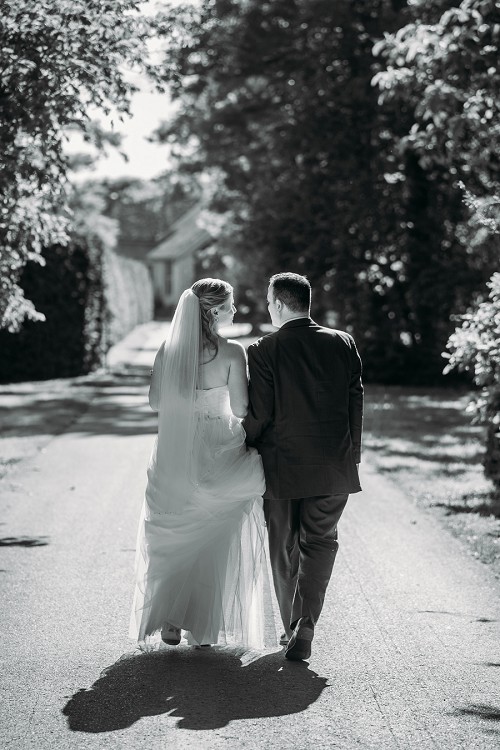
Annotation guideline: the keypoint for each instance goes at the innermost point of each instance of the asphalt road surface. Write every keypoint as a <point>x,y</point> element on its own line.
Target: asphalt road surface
<point>406,653</point>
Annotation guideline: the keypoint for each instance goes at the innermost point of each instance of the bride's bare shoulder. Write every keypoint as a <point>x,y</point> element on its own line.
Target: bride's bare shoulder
<point>232,349</point>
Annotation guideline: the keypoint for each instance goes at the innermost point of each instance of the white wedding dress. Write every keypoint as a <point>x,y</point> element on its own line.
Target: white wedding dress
<point>200,547</point>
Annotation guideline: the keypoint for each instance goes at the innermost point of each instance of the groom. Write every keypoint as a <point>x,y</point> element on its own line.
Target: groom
<point>305,419</point>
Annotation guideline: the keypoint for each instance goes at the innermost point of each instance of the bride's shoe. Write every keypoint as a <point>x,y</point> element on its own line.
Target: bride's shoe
<point>170,634</point>
<point>193,642</point>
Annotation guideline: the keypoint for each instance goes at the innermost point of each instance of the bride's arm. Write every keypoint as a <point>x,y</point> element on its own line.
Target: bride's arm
<point>155,385</point>
<point>238,380</point>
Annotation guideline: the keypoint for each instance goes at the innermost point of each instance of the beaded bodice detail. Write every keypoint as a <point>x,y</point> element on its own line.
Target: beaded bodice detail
<point>213,402</point>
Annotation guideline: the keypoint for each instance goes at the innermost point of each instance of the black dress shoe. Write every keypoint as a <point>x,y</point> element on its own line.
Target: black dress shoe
<point>299,646</point>
<point>299,650</point>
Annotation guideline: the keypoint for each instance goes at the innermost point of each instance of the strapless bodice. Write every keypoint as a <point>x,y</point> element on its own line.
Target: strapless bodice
<point>213,402</point>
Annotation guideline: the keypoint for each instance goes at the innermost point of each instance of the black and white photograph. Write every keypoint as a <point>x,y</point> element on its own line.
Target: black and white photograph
<point>250,374</point>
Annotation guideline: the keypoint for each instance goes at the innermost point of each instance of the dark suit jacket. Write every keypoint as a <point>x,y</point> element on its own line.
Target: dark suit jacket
<point>306,410</point>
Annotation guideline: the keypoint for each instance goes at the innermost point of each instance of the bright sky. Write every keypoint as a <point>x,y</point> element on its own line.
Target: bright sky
<point>145,159</point>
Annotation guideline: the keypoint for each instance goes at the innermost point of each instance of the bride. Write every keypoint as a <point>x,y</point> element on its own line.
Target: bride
<point>201,533</point>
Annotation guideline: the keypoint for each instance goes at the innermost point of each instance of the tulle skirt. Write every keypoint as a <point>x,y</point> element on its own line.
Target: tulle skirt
<point>200,568</point>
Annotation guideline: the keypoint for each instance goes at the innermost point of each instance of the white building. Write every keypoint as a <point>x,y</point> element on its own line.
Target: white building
<point>173,261</point>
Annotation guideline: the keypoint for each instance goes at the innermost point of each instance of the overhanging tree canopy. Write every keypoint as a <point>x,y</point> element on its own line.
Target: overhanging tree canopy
<point>276,104</point>
<point>59,61</point>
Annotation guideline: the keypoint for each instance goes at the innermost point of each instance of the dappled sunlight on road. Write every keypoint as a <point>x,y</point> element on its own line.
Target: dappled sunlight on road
<point>425,441</point>
<point>120,405</point>
<point>118,399</point>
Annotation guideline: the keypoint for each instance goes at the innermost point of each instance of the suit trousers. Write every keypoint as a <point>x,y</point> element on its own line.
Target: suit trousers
<point>303,543</point>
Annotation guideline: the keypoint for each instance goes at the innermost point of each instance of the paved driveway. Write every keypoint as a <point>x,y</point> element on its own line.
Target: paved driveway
<point>406,653</point>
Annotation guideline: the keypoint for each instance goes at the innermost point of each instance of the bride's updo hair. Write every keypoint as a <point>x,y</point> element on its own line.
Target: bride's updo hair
<point>211,293</point>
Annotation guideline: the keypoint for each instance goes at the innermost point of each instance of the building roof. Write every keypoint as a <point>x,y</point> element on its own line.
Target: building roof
<point>185,237</point>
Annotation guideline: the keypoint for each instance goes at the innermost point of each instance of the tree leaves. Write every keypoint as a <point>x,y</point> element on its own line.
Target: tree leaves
<point>57,60</point>
<point>275,104</point>
<point>446,72</point>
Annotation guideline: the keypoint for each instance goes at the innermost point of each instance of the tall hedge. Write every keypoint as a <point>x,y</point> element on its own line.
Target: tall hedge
<point>90,297</point>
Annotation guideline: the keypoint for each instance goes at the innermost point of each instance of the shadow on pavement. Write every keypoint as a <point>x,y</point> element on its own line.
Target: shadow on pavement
<point>115,403</point>
<point>427,425</point>
<point>421,454</point>
<point>481,711</point>
<point>23,541</point>
<point>39,415</point>
<point>204,690</point>
<point>489,507</point>
<point>118,414</point>
<point>455,614</point>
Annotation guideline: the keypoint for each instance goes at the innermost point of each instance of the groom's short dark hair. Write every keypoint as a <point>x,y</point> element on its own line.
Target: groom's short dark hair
<point>293,290</point>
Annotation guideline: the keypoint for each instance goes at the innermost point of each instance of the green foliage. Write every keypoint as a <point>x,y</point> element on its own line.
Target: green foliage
<point>315,169</point>
<point>68,292</point>
<point>90,297</point>
<point>58,61</point>
<point>442,69</point>
<point>475,348</point>
<point>438,80</point>
<point>125,284</point>
<point>447,74</point>
<point>276,106</point>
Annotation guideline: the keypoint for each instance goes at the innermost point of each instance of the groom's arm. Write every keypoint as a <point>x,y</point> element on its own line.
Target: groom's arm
<point>261,395</point>
<point>355,402</point>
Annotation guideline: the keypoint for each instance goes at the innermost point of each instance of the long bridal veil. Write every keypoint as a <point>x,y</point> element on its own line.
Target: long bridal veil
<point>170,470</point>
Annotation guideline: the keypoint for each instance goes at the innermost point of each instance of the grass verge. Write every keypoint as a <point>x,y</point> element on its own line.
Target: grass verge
<point>423,440</point>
